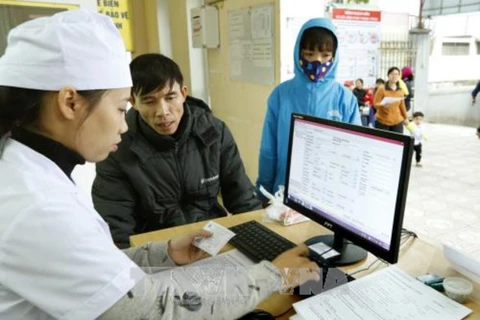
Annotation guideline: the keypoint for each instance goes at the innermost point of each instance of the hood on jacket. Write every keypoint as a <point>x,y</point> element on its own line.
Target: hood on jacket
<point>322,23</point>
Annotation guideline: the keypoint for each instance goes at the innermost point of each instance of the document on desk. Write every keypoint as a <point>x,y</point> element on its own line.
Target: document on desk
<point>207,276</point>
<point>388,294</point>
<point>461,262</point>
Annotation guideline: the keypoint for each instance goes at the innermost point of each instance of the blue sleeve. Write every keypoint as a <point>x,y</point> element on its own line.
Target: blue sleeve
<point>267,163</point>
<point>476,90</point>
<point>353,116</point>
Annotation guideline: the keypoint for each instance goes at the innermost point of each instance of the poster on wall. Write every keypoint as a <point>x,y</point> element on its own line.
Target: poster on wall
<point>251,44</point>
<point>359,41</point>
<point>119,11</point>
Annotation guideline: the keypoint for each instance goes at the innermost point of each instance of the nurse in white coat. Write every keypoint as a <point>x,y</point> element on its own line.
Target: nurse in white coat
<point>64,87</point>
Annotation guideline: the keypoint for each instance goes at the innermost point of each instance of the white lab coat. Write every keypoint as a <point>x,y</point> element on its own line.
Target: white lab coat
<point>57,258</point>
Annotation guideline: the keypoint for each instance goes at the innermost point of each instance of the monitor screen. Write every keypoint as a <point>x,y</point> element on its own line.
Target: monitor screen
<point>348,178</point>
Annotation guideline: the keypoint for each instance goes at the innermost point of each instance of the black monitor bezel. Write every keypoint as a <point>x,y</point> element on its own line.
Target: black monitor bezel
<point>391,255</point>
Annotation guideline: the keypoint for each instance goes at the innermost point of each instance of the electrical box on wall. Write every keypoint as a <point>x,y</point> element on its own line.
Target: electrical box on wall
<point>204,22</point>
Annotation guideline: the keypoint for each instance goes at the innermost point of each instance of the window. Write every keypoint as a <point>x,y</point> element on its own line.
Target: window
<point>455,49</point>
<point>13,15</point>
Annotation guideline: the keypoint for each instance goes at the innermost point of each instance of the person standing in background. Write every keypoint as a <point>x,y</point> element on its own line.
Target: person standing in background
<point>391,116</point>
<point>313,91</point>
<point>475,92</point>
<point>474,99</point>
<point>417,132</point>
<point>407,76</point>
<point>359,92</point>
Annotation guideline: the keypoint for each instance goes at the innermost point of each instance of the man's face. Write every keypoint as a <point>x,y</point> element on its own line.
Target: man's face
<point>162,110</point>
<point>358,84</point>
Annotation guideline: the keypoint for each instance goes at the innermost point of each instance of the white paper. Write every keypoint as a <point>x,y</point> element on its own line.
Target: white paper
<point>296,317</point>
<point>358,48</point>
<point>388,294</point>
<point>261,22</point>
<point>262,53</point>
<point>236,58</point>
<point>219,238</point>
<point>247,49</point>
<point>465,265</point>
<point>209,276</point>
<point>387,100</point>
<point>236,68</point>
<point>236,25</point>
<point>321,247</point>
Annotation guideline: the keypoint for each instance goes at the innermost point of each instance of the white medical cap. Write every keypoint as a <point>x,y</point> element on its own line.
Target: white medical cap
<point>78,48</point>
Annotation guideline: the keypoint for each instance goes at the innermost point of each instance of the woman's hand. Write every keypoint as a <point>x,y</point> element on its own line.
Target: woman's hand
<point>406,122</point>
<point>292,262</point>
<point>182,251</point>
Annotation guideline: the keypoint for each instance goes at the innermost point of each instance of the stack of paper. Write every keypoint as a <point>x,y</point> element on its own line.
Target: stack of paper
<point>388,294</point>
<point>388,100</point>
<point>467,266</point>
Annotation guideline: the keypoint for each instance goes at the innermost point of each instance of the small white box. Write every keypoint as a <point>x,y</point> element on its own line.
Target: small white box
<point>204,24</point>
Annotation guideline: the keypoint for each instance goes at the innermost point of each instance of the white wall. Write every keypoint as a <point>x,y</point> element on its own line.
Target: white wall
<point>457,25</point>
<point>452,106</point>
<point>293,14</point>
<point>164,34</point>
<point>198,60</point>
<point>394,26</point>
<point>454,68</point>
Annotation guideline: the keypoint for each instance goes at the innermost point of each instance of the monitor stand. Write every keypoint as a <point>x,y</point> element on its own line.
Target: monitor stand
<point>349,252</point>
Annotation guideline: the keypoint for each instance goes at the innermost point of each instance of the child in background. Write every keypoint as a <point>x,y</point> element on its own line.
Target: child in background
<point>378,83</point>
<point>368,110</point>
<point>416,130</point>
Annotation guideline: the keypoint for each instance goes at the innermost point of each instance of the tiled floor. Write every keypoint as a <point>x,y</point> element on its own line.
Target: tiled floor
<point>443,200</point>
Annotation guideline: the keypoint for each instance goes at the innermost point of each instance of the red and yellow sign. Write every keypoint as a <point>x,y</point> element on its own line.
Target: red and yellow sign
<point>356,15</point>
<point>119,11</point>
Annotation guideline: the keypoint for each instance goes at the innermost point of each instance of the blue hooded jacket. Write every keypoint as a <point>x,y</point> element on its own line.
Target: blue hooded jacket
<point>325,99</point>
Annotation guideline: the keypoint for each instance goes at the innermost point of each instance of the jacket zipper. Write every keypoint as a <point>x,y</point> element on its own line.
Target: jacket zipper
<point>180,172</point>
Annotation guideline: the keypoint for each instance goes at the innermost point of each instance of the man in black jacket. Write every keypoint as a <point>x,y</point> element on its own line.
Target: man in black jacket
<point>173,162</point>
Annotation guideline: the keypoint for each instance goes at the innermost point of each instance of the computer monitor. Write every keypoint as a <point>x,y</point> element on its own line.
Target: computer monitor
<point>352,180</point>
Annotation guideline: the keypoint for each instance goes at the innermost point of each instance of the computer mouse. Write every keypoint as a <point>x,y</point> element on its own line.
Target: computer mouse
<point>257,315</point>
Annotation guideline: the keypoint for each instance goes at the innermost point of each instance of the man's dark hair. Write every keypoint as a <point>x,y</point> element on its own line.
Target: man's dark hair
<point>380,81</point>
<point>418,114</point>
<point>318,38</point>
<point>153,71</point>
<point>359,79</point>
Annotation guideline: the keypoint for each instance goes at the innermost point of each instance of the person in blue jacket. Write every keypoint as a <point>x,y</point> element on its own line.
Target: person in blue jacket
<point>313,91</point>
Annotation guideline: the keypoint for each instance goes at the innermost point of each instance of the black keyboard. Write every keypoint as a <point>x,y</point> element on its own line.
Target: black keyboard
<point>258,242</point>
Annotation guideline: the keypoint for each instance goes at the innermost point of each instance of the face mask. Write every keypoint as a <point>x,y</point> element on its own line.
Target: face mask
<point>315,71</point>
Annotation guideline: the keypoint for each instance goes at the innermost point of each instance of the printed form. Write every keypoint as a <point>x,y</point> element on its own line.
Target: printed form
<point>388,294</point>
<point>207,276</point>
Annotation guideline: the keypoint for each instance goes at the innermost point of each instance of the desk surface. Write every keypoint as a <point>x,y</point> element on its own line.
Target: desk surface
<point>416,256</point>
